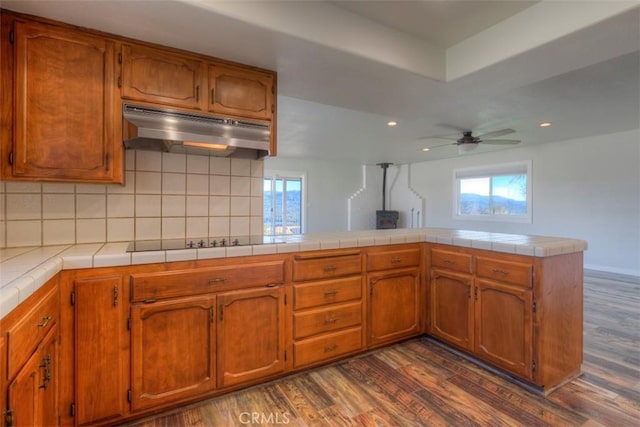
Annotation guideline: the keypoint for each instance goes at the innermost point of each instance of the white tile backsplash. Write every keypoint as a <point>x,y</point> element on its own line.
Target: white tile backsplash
<point>58,205</point>
<point>24,206</point>
<point>165,195</point>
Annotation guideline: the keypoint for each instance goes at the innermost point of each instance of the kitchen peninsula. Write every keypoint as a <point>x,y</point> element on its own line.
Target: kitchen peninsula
<point>126,334</point>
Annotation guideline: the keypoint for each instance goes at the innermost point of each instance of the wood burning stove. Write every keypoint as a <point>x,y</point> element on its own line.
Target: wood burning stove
<point>384,218</point>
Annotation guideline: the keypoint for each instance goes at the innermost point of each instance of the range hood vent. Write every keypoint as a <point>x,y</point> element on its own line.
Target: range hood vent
<point>148,128</point>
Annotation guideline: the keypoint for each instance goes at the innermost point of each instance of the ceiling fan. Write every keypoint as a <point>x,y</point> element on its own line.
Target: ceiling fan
<point>468,142</point>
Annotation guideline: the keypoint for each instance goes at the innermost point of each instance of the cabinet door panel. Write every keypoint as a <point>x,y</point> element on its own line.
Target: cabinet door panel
<point>154,75</point>
<point>451,308</point>
<point>32,395</point>
<point>239,92</point>
<point>250,334</point>
<point>504,326</point>
<point>394,305</point>
<point>65,116</point>
<point>100,349</point>
<point>172,350</point>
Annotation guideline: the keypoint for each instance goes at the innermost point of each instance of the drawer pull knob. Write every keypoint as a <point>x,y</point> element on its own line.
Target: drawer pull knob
<point>217,280</point>
<point>330,320</point>
<point>396,260</point>
<point>329,268</point>
<point>330,293</point>
<point>330,348</point>
<point>499,271</point>
<point>45,320</point>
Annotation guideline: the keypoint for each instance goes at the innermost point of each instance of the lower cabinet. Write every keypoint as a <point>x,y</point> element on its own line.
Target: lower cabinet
<point>100,306</point>
<point>33,393</point>
<point>172,350</point>
<point>251,334</point>
<point>395,305</point>
<point>451,308</point>
<point>396,299</point>
<point>485,309</point>
<point>504,326</point>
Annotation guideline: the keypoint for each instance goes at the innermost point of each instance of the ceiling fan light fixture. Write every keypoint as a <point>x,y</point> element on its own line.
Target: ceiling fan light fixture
<point>465,148</point>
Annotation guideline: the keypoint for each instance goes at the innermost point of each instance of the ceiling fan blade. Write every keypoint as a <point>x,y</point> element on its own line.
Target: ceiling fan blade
<point>441,145</point>
<point>500,141</point>
<point>452,138</point>
<point>496,133</point>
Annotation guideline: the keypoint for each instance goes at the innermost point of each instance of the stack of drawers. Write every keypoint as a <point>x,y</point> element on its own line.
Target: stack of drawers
<point>328,306</point>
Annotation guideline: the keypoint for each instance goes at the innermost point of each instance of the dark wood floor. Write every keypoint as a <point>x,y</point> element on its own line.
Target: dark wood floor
<point>419,383</point>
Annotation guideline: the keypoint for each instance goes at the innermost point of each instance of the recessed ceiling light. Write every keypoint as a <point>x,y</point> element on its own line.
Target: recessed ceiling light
<point>392,123</point>
<point>545,124</point>
<point>425,149</point>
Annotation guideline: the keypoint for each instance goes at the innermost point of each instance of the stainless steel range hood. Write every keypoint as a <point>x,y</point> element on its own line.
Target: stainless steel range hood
<point>149,128</point>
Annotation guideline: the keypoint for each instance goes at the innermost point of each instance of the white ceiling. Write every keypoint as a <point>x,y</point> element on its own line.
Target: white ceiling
<point>347,67</point>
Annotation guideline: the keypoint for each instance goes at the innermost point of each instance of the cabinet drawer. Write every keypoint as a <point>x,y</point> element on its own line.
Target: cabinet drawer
<point>318,266</point>
<point>25,335</point>
<point>328,319</point>
<point>308,295</point>
<point>451,260</point>
<point>169,284</point>
<point>393,259</point>
<point>515,273</point>
<point>327,346</point>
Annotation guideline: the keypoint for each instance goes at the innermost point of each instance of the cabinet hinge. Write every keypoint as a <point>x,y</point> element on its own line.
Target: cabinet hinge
<point>534,366</point>
<point>534,306</point>
<point>129,395</point>
<point>115,296</point>
<point>72,298</point>
<point>12,37</point>
<point>8,418</point>
<point>10,157</point>
<point>72,410</point>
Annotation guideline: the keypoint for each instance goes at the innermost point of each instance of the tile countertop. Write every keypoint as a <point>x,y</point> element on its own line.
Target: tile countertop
<point>23,270</point>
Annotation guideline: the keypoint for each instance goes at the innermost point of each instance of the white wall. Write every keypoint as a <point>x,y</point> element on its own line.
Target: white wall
<point>585,188</point>
<point>329,185</point>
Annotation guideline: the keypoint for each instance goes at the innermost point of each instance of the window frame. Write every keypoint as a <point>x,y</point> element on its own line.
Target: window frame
<point>293,175</point>
<point>490,171</point>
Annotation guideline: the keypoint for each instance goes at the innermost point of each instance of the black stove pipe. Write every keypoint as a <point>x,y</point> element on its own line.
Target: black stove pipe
<point>384,167</point>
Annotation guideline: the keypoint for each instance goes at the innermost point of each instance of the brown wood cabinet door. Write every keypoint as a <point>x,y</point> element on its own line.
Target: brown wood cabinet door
<point>172,350</point>
<point>251,332</point>
<point>67,126</point>
<point>101,349</point>
<point>33,393</point>
<point>504,326</point>
<point>394,305</point>
<point>163,77</point>
<point>451,308</point>
<point>240,92</point>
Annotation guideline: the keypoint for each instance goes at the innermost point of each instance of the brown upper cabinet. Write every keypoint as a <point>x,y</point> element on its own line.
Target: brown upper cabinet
<point>240,92</point>
<point>171,78</point>
<point>60,121</point>
<point>61,93</point>
<point>161,77</point>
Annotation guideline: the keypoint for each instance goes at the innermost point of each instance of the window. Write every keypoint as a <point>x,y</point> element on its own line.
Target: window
<point>283,203</point>
<point>497,192</point>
